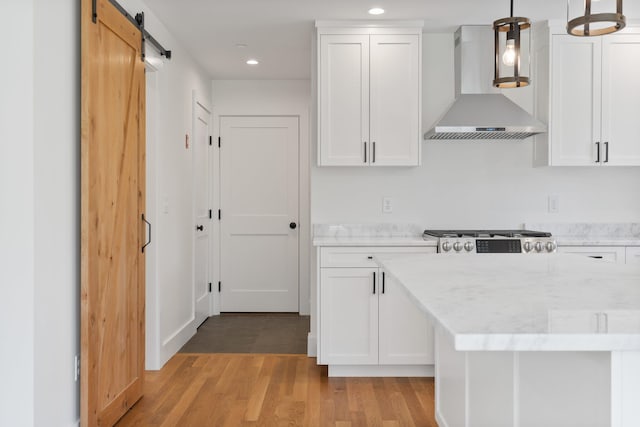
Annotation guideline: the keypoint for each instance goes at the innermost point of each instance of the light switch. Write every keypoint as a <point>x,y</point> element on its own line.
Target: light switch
<point>387,205</point>
<point>553,204</point>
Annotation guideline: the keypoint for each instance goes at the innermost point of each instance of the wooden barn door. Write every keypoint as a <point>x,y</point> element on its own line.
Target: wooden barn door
<point>112,203</point>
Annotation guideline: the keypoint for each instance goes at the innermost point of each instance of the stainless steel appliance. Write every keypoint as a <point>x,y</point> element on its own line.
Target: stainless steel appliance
<point>492,241</point>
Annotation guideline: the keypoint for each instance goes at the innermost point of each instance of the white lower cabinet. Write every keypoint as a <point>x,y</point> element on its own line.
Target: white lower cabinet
<point>405,336</point>
<point>366,318</point>
<point>633,255</point>
<point>349,316</point>
<point>614,254</point>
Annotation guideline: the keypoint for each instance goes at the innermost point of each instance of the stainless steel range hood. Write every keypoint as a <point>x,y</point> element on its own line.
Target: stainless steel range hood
<point>480,111</point>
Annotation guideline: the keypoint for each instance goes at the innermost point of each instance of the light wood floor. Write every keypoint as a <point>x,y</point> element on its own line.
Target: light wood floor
<point>275,390</point>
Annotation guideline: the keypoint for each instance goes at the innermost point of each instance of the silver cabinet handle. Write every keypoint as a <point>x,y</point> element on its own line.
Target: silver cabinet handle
<point>365,152</point>
<point>373,153</point>
<point>606,152</point>
<point>598,152</point>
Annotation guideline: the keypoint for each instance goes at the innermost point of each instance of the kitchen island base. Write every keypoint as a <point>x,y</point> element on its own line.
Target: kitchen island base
<point>535,388</point>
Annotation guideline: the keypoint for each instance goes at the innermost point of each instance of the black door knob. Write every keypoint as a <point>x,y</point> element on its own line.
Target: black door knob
<point>293,225</point>
<point>199,227</point>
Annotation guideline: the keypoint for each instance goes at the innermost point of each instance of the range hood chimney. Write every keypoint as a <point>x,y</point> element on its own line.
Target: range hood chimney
<point>480,111</point>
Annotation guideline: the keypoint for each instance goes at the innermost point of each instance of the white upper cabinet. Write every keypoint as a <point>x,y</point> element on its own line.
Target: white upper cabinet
<point>344,95</point>
<point>588,92</point>
<point>369,96</point>
<point>575,100</point>
<point>395,100</point>
<point>621,99</point>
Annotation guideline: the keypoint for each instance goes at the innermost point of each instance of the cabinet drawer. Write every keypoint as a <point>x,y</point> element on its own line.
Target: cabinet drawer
<point>615,254</point>
<point>362,257</point>
<point>633,255</point>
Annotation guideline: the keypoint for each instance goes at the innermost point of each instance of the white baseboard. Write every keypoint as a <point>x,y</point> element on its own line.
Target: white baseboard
<point>381,370</point>
<point>171,345</point>
<point>312,345</point>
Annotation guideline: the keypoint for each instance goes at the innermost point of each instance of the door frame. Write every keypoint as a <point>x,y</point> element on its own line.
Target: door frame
<point>304,201</point>
<point>197,100</point>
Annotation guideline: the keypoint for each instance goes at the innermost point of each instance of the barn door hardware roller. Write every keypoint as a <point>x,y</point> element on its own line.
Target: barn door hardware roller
<point>138,21</point>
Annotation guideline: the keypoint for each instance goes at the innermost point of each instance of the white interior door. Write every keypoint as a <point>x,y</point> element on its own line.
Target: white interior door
<point>259,214</point>
<point>202,225</point>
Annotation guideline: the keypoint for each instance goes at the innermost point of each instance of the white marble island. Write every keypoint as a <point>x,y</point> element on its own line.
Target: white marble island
<point>529,340</point>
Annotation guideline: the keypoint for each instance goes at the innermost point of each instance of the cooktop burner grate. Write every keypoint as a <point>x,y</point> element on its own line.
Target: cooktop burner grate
<point>486,233</point>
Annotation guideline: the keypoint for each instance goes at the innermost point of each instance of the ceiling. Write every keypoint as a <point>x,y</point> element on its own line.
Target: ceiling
<point>278,32</point>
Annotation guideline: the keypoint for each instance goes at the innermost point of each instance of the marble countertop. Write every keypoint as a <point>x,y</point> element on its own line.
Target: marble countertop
<point>372,241</point>
<point>509,302</point>
<point>369,235</point>
<point>591,234</point>
<point>597,241</point>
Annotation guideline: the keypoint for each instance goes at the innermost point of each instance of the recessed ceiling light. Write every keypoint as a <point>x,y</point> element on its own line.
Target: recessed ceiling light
<point>376,11</point>
<point>241,45</point>
<point>252,62</point>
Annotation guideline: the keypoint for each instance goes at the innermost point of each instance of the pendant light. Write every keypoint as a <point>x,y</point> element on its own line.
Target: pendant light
<point>512,47</point>
<point>595,17</point>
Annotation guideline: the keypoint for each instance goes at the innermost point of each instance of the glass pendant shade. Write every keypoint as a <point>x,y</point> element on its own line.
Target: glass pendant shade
<point>512,50</point>
<point>594,17</point>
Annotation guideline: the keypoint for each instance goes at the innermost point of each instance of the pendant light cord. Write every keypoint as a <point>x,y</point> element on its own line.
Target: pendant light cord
<point>512,8</point>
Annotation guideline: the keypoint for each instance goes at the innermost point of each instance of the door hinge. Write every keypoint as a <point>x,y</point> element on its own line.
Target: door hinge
<point>209,286</point>
<point>210,214</point>
<point>210,140</point>
<point>219,142</point>
<point>219,214</point>
<point>219,286</point>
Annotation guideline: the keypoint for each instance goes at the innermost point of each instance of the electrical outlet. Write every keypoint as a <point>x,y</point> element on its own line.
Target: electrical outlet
<point>553,204</point>
<point>387,205</point>
<point>76,370</point>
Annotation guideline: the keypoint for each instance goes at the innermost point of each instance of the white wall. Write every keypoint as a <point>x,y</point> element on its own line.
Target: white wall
<point>17,244</point>
<point>57,232</point>
<point>39,218</point>
<point>275,97</point>
<point>475,184</point>
<point>170,314</point>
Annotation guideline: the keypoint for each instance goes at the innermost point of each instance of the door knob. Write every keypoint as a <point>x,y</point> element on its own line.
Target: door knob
<point>199,227</point>
<point>293,225</point>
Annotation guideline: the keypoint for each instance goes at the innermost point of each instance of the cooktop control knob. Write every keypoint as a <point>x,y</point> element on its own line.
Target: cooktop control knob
<point>538,246</point>
<point>446,246</point>
<point>468,246</point>
<point>527,246</point>
<point>457,246</point>
<point>551,246</point>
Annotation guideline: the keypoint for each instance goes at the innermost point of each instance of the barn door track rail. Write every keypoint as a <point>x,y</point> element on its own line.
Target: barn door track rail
<point>138,21</point>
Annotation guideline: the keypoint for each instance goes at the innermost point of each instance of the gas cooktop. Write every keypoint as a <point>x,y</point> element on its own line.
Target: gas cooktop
<point>492,241</point>
<point>486,233</point>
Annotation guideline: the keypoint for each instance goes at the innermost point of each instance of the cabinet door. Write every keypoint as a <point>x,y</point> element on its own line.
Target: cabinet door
<point>395,100</point>
<point>348,316</point>
<point>621,99</point>
<point>622,321</point>
<point>343,100</point>
<point>405,334</point>
<point>575,100</point>
<point>632,255</point>
<point>612,254</point>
